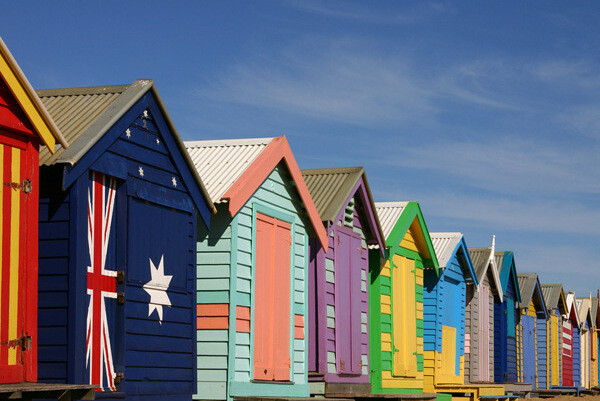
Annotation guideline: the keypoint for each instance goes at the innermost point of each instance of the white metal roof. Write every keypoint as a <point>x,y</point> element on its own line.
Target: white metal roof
<point>220,163</point>
<point>444,244</point>
<point>389,213</point>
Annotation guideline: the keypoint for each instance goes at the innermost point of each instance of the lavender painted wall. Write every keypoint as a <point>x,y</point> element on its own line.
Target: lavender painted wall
<point>338,296</point>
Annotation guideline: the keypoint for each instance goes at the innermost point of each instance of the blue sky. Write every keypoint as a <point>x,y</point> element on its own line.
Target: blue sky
<point>487,113</point>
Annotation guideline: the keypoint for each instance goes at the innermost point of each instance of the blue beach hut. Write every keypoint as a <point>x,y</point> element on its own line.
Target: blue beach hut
<point>532,329</point>
<point>444,310</point>
<point>505,320</point>
<point>117,263</point>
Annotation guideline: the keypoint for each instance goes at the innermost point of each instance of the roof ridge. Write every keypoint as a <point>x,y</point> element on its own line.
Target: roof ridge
<point>331,170</point>
<point>227,142</point>
<point>84,90</point>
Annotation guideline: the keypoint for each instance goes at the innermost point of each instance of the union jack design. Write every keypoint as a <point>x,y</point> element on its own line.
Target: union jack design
<point>101,283</point>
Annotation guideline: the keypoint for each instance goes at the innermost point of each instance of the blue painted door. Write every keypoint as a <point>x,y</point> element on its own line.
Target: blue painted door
<point>159,349</point>
<point>528,349</point>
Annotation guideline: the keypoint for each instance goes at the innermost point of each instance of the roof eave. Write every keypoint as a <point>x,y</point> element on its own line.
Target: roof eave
<point>184,152</point>
<point>255,174</point>
<point>34,100</point>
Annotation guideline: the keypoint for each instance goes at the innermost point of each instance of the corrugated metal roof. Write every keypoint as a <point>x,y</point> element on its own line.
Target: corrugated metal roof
<point>499,257</point>
<point>389,213</point>
<point>220,163</point>
<point>551,294</point>
<point>74,110</point>
<point>84,115</point>
<point>330,188</point>
<point>480,258</point>
<point>527,283</point>
<point>444,245</point>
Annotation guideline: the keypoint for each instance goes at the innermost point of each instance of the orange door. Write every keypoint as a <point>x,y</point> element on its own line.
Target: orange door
<point>18,250</point>
<point>272,299</point>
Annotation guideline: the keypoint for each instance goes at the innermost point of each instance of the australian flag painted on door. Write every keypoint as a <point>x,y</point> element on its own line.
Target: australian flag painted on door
<point>118,223</point>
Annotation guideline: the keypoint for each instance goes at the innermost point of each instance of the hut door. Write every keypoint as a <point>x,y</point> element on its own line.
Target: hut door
<point>103,309</point>
<point>484,333</point>
<point>528,349</point>
<point>347,301</point>
<point>555,352</point>
<point>404,317</point>
<point>567,353</point>
<point>15,256</point>
<point>272,299</point>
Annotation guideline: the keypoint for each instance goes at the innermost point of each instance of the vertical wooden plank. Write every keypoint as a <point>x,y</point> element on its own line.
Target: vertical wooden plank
<point>448,352</point>
<point>355,314</point>
<point>6,257</point>
<point>343,302</point>
<point>263,333</point>
<point>272,286</point>
<point>281,293</point>
<point>399,340</point>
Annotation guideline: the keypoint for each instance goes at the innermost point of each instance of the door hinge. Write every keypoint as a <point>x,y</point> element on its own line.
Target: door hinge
<point>121,298</point>
<point>120,276</point>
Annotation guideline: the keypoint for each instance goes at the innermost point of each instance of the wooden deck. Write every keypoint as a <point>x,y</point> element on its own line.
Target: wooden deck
<point>60,392</point>
<point>473,391</point>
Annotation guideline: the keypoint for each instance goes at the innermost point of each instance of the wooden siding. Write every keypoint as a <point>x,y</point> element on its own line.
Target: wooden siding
<point>567,353</point>
<point>331,346</point>
<point>154,213</point>
<point>386,375</point>
<point>576,356</point>
<point>444,325</point>
<point>593,358</point>
<point>542,352</point>
<point>585,355</point>
<point>53,284</point>
<point>277,192</point>
<point>213,266</point>
<point>505,343</point>
<point>19,159</point>
<point>474,372</point>
<point>555,348</point>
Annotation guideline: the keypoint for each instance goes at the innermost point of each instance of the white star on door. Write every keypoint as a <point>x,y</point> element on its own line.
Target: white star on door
<point>157,289</point>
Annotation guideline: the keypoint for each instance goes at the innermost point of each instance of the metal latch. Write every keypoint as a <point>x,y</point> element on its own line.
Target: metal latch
<point>22,342</point>
<point>26,186</point>
<point>119,377</point>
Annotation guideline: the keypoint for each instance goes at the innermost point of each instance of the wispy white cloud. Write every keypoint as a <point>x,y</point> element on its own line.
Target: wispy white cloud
<point>327,82</point>
<point>508,165</point>
<point>366,13</point>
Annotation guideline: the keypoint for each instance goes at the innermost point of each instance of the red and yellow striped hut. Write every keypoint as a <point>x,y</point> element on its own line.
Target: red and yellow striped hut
<point>24,126</point>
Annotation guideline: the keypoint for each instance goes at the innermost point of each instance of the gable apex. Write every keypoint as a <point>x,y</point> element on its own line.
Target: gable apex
<point>28,100</point>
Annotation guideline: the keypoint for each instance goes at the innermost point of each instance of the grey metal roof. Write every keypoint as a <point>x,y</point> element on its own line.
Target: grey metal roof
<point>330,188</point>
<point>84,115</point>
<point>389,213</point>
<point>444,244</point>
<point>552,294</point>
<point>499,257</point>
<point>74,110</point>
<point>480,258</point>
<point>594,310</point>
<point>527,282</point>
<point>220,163</point>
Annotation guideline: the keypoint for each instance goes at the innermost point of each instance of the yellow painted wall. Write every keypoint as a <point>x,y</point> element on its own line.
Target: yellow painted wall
<point>404,311</point>
<point>555,350</point>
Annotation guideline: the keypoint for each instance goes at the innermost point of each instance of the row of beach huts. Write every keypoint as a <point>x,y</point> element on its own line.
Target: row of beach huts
<point>136,266</point>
